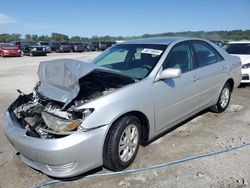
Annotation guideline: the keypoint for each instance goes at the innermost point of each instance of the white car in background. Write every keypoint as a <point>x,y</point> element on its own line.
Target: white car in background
<point>242,50</point>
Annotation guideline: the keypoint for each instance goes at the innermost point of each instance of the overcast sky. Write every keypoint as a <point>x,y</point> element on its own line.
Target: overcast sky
<point>121,17</point>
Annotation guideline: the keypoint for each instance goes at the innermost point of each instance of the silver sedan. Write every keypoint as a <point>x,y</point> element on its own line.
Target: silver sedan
<point>85,115</point>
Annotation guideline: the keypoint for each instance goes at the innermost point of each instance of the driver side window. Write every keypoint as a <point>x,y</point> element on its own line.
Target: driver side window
<point>180,57</point>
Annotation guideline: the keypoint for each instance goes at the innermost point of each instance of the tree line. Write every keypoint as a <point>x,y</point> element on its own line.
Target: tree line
<point>211,35</point>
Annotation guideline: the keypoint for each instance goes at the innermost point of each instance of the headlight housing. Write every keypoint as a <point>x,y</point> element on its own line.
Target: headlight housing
<point>59,124</point>
<point>246,66</point>
<point>86,112</point>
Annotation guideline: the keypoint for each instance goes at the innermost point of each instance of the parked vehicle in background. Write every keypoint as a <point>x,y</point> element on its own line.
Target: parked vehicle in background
<point>81,116</point>
<point>46,44</point>
<point>59,47</point>
<point>109,44</point>
<point>96,45</point>
<point>100,46</point>
<point>220,43</point>
<point>64,47</point>
<point>88,46</point>
<point>34,49</point>
<point>54,46</point>
<point>76,47</point>
<point>9,49</point>
<point>242,50</point>
<point>103,46</point>
<point>84,46</point>
<point>16,43</point>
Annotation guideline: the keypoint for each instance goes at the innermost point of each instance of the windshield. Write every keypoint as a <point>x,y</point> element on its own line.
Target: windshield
<point>44,43</point>
<point>134,60</point>
<point>32,43</point>
<point>64,43</point>
<point>8,45</point>
<point>239,48</point>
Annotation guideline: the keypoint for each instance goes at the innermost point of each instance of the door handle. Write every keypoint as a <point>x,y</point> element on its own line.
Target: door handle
<point>195,78</point>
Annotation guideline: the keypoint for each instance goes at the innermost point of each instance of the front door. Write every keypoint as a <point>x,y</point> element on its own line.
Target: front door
<point>178,97</point>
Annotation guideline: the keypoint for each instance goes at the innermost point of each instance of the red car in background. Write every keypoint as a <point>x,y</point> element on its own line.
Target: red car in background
<point>8,49</point>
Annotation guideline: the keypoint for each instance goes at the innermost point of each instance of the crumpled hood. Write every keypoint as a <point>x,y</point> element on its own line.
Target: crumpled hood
<point>60,78</point>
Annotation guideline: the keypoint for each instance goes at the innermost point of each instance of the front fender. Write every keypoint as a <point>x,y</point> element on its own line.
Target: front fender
<point>133,97</point>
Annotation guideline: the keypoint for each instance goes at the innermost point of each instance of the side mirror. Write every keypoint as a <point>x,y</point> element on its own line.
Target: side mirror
<point>168,73</point>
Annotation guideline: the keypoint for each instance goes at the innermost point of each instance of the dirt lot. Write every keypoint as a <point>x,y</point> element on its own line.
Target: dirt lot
<point>204,133</point>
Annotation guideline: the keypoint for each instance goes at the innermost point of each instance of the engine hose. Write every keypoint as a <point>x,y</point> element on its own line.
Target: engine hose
<point>170,163</point>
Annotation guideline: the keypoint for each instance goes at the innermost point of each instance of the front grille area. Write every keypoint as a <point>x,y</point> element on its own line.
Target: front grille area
<point>61,168</point>
<point>40,49</point>
<point>245,77</point>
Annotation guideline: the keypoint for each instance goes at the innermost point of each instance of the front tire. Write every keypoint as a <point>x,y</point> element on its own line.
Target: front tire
<point>223,100</point>
<point>122,143</point>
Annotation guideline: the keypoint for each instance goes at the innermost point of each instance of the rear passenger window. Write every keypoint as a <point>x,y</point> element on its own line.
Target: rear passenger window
<point>205,54</point>
<point>180,57</point>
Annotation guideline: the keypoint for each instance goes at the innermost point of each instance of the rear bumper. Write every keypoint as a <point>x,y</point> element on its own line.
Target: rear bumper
<point>64,157</point>
<point>245,75</point>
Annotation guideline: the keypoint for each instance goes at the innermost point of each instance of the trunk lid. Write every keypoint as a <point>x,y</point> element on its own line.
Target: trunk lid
<point>244,58</point>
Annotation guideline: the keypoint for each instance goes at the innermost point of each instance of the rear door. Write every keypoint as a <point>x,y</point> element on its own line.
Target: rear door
<point>213,70</point>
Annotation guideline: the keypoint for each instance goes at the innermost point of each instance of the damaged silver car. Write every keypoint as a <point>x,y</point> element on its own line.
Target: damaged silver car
<point>85,115</point>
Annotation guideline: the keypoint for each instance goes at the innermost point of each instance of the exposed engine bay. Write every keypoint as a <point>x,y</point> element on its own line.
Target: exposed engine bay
<point>48,119</point>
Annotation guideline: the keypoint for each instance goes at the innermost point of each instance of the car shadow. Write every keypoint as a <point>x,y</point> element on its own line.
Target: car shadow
<point>177,126</point>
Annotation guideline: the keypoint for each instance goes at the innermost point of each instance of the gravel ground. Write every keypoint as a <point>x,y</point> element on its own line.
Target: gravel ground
<point>205,132</point>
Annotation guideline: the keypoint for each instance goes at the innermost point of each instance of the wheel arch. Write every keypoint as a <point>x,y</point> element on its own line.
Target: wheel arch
<point>145,128</point>
<point>231,83</point>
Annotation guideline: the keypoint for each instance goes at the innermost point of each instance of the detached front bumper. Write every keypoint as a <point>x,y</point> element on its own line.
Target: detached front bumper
<point>245,75</point>
<point>64,157</point>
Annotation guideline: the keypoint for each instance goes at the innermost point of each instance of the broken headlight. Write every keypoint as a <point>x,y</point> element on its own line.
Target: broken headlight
<point>60,124</point>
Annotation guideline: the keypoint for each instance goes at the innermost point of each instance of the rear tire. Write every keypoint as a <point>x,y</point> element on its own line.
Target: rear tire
<point>223,100</point>
<point>122,143</point>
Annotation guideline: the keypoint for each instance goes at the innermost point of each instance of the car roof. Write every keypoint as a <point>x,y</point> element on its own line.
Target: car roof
<point>240,42</point>
<point>157,40</point>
